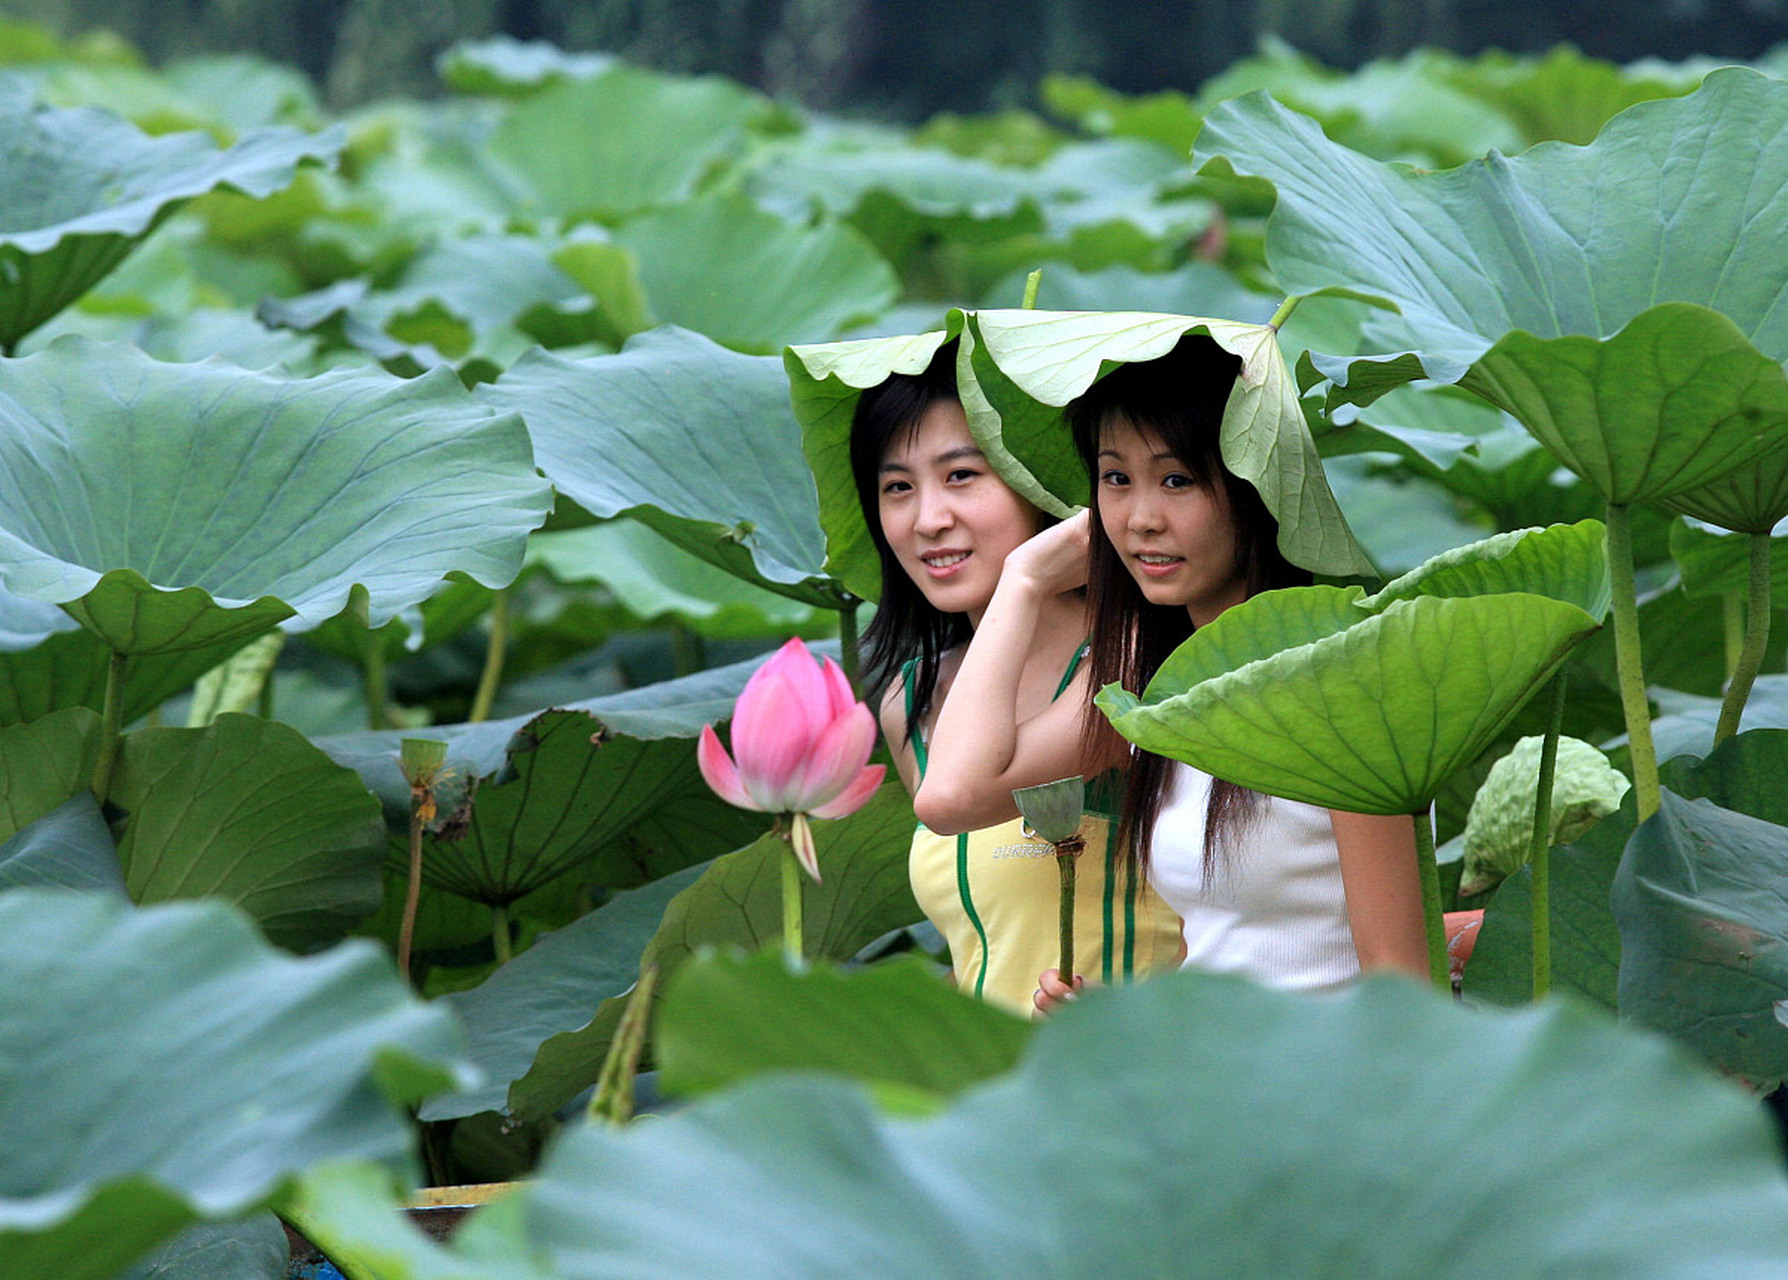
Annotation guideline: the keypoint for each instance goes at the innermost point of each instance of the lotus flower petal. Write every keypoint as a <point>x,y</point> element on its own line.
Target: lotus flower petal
<point>835,759</point>
<point>840,696</point>
<point>855,796</point>
<point>807,681</point>
<point>719,772</point>
<point>801,841</point>
<point>770,740</point>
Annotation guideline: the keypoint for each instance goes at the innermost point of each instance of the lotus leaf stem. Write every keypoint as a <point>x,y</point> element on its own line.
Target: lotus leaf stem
<point>613,1099</point>
<point>499,934</point>
<point>1067,858</point>
<point>1433,920</point>
<point>373,681</point>
<point>1540,845</point>
<point>1732,613</point>
<point>111,726</point>
<point>1032,283</point>
<point>792,877</point>
<point>689,652</point>
<point>492,676</point>
<point>848,647</point>
<point>406,933</point>
<point>1750,660</point>
<point>1628,662</point>
<point>1284,312</point>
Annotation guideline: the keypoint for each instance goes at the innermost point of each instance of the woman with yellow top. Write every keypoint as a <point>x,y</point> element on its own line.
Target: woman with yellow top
<point>946,528</point>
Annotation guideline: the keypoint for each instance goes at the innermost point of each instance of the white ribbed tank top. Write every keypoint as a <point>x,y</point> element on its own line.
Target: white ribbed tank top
<point>1275,909</point>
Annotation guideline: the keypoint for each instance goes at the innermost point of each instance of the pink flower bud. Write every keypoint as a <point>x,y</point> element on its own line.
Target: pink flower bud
<point>801,741</point>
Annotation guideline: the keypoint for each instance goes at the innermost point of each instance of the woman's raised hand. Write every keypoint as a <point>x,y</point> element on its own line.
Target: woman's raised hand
<point>1055,559</point>
<point>1052,993</point>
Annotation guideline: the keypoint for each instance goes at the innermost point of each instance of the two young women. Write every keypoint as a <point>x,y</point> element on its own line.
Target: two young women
<point>987,606</point>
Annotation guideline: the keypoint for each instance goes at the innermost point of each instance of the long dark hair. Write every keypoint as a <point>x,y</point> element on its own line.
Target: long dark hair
<point>1178,398</point>
<point>906,624</point>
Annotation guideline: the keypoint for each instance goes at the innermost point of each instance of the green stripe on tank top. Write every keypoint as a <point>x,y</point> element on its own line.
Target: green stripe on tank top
<point>1130,891</point>
<point>1105,907</point>
<point>968,905</point>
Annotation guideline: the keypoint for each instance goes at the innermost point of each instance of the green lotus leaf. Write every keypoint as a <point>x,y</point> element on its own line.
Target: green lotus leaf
<point>70,847</point>
<point>1641,345</point>
<point>1170,119</point>
<point>83,188</point>
<point>552,987</point>
<point>826,381</point>
<point>1372,718</point>
<point>502,66</point>
<point>1686,721</point>
<point>1562,562</point>
<point>961,196</point>
<point>564,798</point>
<point>895,1023</point>
<point>459,604</point>
<point>205,1027</point>
<point>1715,563</point>
<point>622,141</point>
<point>655,579</point>
<point>1196,288</point>
<point>1025,360</point>
<point>254,1248</point>
<point>45,763</point>
<point>1680,1171</point>
<point>1751,499</point>
<point>692,439</point>
<point>737,903</point>
<point>753,280</point>
<point>1701,902</point>
<point>1401,519</point>
<point>247,810</point>
<point>309,489</point>
<point>49,662</point>
<point>1562,95</point>
<point>1585,937</point>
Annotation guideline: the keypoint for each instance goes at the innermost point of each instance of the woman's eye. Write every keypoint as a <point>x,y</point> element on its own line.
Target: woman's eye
<point>895,486</point>
<point>962,474</point>
<point>1176,480</point>
<point>1113,478</point>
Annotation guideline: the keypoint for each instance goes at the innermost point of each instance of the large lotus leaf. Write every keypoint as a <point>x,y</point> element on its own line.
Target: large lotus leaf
<point>622,141</point>
<point>1563,95</point>
<point>554,986</point>
<point>1194,289</point>
<point>505,67</point>
<point>1593,1150</point>
<point>1472,448</point>
<point>752,280</point>
<point>895,1023</point>
<point>1562,562</point>
<point>825,383</point>
<point>669,709</point>
<point>166,1065</point>
<point>45,763</point>
<point>458,605</point>
<point>309,488</point>
<point>957,195</point>
<point>564,798</point>
<point>1702,897</point>
<point>737,902</point>
<point>83,187</point>
<point>654,580</point>
<point>1047,358</point>
<point>690,438</point>
<point>1686,722</point>
<point>1638,338</point>
<point>1370,717</point>
<point>70,847</point>
<point>254,1248</point>
<point>1714,563</point>
<point>1751,499</point>
<point>247,810</point>
<point>1401,519</point>
<point>1585,936</point>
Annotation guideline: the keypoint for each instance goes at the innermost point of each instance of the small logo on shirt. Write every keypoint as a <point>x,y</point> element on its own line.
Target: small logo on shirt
<point>1029,849</point>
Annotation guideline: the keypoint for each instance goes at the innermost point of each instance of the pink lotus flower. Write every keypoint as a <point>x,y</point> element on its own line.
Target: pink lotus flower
<point>802,741</point>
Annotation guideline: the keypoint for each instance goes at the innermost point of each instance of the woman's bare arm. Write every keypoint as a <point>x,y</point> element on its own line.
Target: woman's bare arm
<point>1384,893</point>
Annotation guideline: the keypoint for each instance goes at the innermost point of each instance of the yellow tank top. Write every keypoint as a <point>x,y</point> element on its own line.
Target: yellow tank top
<point>995,896</point>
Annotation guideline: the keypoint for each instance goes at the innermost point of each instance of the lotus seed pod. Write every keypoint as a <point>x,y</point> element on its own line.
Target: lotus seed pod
<point>1053,809</point>
<point>1585,789</point>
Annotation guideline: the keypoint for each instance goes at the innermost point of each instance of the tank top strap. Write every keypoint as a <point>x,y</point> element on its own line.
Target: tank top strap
<point>1073,666</point>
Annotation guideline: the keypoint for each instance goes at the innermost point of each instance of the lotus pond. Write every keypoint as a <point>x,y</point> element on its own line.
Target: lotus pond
<point>410,487</point>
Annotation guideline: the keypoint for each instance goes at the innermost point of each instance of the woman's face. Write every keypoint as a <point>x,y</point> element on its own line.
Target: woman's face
<point>949,519</point>
<point>1174,535</point>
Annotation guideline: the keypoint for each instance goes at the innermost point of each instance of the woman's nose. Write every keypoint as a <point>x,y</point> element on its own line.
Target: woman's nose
<point>935,511</point>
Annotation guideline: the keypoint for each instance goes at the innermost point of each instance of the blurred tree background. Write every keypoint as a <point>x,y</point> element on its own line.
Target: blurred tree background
<point>904,58</point>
